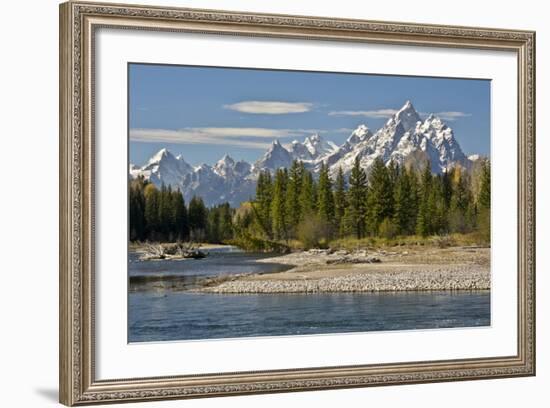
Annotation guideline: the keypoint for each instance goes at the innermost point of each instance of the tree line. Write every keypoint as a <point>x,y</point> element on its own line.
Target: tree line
<point>292,204</point>
<point>162,215</point>
<point>389,201</point>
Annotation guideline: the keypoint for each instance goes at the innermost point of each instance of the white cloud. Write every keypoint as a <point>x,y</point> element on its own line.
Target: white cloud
<point>386,113</point>
<point>451,116</point>
<point>375,114</point>
<point>231,136</point>
<point>270,107</point>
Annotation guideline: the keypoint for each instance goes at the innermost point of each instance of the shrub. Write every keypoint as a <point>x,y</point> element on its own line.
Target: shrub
<point>387,229</point>
<point>312,230</point>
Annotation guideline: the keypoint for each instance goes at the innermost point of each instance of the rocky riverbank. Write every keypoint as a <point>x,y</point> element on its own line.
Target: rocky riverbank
<point>321,271</point>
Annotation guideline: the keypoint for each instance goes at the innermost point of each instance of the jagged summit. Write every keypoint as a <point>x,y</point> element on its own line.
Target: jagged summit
<point>405,137</point>
<point>158,156</point>
<point>226,160</point>
<point>407,116</point>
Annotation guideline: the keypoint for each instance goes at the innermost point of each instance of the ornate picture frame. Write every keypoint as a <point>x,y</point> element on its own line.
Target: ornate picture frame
<point>79,22</point>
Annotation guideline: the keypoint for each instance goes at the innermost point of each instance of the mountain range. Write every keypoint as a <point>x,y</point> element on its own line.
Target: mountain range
<point>405,138</point>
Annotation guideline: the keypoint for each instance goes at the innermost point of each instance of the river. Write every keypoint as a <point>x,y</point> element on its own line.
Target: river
<point>162,308</point>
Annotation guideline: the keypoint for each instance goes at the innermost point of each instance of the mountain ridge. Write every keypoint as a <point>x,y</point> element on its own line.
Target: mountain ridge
<point>405,137</point>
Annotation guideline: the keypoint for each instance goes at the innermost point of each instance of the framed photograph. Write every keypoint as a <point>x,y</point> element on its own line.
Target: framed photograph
<point>256,203</point>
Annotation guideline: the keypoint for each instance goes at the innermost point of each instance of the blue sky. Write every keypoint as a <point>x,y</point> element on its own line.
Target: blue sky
<point>204,113</point>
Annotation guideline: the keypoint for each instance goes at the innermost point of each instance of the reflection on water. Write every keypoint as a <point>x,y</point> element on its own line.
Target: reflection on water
<point>184,273</point>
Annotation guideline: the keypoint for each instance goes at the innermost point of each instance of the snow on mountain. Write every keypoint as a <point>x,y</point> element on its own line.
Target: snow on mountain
<point>318,147</point>
<point>360,135</point>
<point>226,181</point>
<point>227,167</point>
<point>313,148</point>
<point>275,157</point>
<point>405,138</point>
<point>165,168</point>
<point>404,135</point>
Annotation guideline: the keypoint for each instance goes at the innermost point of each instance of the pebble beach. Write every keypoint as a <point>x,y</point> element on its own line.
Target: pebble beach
<point>325,271</point>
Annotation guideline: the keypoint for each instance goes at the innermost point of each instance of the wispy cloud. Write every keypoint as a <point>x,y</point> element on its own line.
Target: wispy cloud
<point>451,116</point>
<point>254,138</point>
<point>270,107</point>
<point>386,113</point>
<point>375,114</point>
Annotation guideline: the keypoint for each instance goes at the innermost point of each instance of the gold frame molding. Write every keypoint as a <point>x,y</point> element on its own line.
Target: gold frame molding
<point>78,22</point>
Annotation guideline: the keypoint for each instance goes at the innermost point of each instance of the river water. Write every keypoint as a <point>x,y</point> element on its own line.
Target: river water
<point>160,306</point>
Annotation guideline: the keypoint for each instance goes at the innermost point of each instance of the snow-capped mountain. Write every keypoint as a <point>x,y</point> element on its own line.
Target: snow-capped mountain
<point>313,148</point>
<point>165,168</point>
<point>226,181</point>
<point>361,134</point>
<point>275,157</point>
<point>405,138</point>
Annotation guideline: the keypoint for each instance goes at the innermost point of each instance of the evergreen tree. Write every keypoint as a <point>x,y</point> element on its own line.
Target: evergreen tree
<point>226,222</point>
<point>405,210</point>
<point>180,221</point>
<point>165,212</point>
<point>262,205</point>
<point>357,199</point>
<point>484,199</point>
<point>293,195</point>
<point>340,203</point>
<point>151,211</point>
<point>380,196</point>
<point>197,215</point>
<point>279,217</point>
<point>447,181</point>
<point>307,195</point>
<point>137,210</point>
<point>437,208</point>
<point>484,202</point>
<point>393,173</point>
<point>423,221</point>
<point>461,201</point>
<point>213,229</point>
<point>325,199</point>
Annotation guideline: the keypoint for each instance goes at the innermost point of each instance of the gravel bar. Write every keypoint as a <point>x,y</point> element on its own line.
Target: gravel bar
<point>430,278</point>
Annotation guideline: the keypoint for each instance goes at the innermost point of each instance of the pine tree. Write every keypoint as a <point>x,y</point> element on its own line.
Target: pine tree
<point>213,228</point>
<point>484,199</point>
<point>279,217</point>
<point>293,195</point>
<point>262,204</point>
<point>405,210</point>
<point>137,210</point>
<point>447,181</point>
<point>197,215</point>
<point>484,202</point>
<point>151,211</point>
<point>357,199</point>
<point>393,173</point>
<point>325,199</point>
<point>307,195</point>
<point>423,220</point>
<point>437,208</point>
<point>461,201</point>
<point>340,203</point>
<point>165,213</point>
<point>226,222</point>
<point>181,225</point>
<point>380,196</point>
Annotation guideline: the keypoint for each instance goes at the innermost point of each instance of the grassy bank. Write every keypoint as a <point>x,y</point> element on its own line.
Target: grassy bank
<point>434,241</point>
